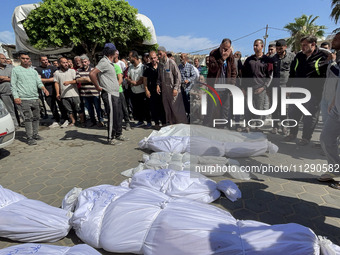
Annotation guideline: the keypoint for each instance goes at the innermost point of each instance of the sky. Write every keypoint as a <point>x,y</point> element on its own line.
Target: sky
<point>190,26</point>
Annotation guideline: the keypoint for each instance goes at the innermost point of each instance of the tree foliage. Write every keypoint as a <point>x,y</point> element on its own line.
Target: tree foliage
<point>303,26</point>
<point>335,14</point>
<point>85,23</point>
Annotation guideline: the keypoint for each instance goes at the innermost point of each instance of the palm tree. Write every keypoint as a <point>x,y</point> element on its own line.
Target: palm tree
<point>335,14</point>
<point>303,26</point>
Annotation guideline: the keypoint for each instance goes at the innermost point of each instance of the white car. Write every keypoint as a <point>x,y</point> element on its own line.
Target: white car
<point>7,129</point>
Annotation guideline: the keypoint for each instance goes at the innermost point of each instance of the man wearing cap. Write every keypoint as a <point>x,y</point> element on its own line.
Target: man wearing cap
<point>104,78</point>
<point>281,67</point>
<point>169,83</point>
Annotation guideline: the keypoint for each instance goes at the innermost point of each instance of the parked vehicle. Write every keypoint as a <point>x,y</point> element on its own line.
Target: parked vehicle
<point>7,129</point>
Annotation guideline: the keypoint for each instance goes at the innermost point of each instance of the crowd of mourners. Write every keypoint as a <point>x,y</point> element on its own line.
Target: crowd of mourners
<point>153,90</point>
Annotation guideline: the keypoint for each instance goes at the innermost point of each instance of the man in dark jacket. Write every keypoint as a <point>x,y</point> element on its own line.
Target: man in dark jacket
<point>257,72</point>
<point>309,66</point>
<point>221,70</point>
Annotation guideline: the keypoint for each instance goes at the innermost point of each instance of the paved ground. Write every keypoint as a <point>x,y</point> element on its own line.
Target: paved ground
<point>78,157</point>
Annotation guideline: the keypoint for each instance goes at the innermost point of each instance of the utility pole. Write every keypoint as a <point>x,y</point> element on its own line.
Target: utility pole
<point>265,40</point>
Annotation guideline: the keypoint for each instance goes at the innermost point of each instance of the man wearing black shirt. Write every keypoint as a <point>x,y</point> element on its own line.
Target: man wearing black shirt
<point>150,76</point>
<point>46,72</point>
<point>257,72</point>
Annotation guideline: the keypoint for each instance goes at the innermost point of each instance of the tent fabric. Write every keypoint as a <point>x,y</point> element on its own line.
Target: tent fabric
<point>44,249</point>
<point>21,39</point>
<point>206,165</point>
<point>146,221</point>
<point>28,220</point>
<point>204,141</point>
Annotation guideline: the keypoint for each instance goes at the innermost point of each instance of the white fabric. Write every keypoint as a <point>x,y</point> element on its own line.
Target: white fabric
<point>45,249</point>
<point>90,210</point>
<point>206,165</point>
<point>204,141</point>
<point>230,190</point>
<point>70,199</point>
<point>148,24</point>
<point>27,220</point>
<point>145,221</point>
<point>135,73</point>
<point>193,186</point>
<point>21,39</point>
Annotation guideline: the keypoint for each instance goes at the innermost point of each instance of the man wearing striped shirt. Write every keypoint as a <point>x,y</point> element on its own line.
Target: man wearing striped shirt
<point>88,92</point>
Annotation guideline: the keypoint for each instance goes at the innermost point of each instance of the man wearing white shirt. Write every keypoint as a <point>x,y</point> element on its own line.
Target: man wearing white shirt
<point>135,81</point>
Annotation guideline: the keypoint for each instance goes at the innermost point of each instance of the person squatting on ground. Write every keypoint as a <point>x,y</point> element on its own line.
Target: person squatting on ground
<point>25,83</point>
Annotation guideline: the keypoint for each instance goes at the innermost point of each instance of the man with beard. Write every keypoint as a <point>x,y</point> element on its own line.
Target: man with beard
<point>104,78</point>
<point>169,82</point>
<point>25,82</point>
<point>46,73</point>
<point>311,65</point>
<point>139,100</point>
<point>221,70</point>
<point>67,91</point>
<point>150,77</point>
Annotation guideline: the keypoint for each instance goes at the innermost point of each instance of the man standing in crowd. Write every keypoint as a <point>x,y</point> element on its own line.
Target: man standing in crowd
<point>139,100</point>
<point>325,45</point>
<point>67,91</point>
<point>197,65</point>
<point>77,62</point>
<point>332,78</point>
<point>104,78</point>
<point>46,73</point>
<point>257,73</point>
<point>221,70</point>
<point>119,62</point>
<point>281,65</point>
<point>89,93</point>
<point>188,77</point>
<point>25,83</point>
<point>169,82</point>
<point>150,77</point>
<point>310,66</point>
<point>5,87</point>
<point>271,50</point>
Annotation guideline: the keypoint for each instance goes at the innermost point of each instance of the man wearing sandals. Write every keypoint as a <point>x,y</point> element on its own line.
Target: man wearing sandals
<point>331,131</point>
<point>308,70</point>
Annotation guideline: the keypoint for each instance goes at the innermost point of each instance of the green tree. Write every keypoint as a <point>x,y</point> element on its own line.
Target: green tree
<point>88,24</point>
<point>303,26</point>
<point>335,14</point>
